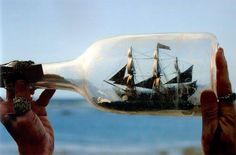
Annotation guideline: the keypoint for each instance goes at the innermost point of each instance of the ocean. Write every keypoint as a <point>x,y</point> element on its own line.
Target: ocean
<point>80,129</point>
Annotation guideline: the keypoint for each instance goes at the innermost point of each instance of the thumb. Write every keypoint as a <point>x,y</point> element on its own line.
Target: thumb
<point>209,108</point>
<point>45,97</point>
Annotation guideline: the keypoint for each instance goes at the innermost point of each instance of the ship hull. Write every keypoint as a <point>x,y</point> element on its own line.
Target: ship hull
<point>152,93</point>
<point>133,100</point>
<point>145,105</point>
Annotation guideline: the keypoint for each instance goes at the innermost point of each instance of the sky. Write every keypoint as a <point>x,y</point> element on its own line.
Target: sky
<point>48,31</point>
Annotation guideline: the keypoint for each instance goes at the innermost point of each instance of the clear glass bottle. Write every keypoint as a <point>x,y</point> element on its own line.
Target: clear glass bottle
<point>140,74</point>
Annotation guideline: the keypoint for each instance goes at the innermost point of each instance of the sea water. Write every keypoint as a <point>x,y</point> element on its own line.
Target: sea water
<point>80,129</point>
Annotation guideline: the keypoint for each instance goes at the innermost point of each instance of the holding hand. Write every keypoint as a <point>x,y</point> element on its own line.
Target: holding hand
<point>219,116</point>
<point>28,124</point>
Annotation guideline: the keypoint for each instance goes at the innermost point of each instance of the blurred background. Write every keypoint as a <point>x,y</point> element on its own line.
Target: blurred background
<point>48,31</point>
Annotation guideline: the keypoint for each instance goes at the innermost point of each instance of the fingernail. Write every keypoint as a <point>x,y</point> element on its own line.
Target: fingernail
<point>221,51</point>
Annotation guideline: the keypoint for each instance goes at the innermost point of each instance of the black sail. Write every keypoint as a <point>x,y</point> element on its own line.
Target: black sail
<point>148,83</point>
<point>185,76</point>
<point>119,76</point>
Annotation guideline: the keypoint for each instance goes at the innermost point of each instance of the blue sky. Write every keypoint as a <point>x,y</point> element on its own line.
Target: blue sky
<point>60,30</point>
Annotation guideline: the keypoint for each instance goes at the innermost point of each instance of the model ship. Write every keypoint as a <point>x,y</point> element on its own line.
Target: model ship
<point>152,93</point>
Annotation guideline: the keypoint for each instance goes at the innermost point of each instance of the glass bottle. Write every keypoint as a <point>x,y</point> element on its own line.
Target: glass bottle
<point>140,74</point>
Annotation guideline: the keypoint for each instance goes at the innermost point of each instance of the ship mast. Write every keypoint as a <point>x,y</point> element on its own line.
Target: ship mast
<point>177,69</point>
<point>178,78</point>
<point>156,69</point>
<point>154,82</point>
<point>130,70</point>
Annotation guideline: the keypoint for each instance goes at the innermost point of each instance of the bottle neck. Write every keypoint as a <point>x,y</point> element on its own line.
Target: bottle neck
<point>64,75</point>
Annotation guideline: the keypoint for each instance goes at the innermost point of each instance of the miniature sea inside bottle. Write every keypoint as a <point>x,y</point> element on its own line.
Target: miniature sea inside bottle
<point>160,74</point>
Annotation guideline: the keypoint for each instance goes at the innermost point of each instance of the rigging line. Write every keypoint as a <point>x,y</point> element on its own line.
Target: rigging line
<point>163,72</point>
<point>178,58</point>
<point>169,55</point>
<point>140,70</point>
<point>142,53</point>
<point>117,67</point>
<point>169,74</point>
<point>143,58</point>
<point>113,84</point>
<point>161,59</point>
<point>139,50</point>
<point>166,66</point>
<point>182,60</point>
<point>138,66</point>
<point>109,75</point>
<point>166,59</point>
<point>185,61</point>
<point>146,53</point>
<point>174,73</point>
<point>143,75</point>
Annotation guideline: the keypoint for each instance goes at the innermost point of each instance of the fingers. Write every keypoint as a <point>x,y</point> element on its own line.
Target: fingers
<point>22,89</point>
<point>227,112</point>
<point>209,109</point>
<point>10,94</point>
<point>45,97</point>
<point>223,83</point>
<point>39,107</point>
<point>8,120</point>
<point>222,76</point>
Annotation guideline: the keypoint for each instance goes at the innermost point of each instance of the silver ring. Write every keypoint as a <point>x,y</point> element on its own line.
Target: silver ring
<point>227,98</point>
<point>21,105</point>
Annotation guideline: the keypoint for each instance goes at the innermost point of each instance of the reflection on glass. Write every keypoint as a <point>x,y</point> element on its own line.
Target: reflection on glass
<point>140,74</point>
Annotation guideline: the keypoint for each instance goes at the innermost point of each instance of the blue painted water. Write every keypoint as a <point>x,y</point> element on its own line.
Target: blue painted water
<point>81,129</point>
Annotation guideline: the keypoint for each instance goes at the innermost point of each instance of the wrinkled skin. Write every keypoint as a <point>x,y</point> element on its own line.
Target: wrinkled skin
<point>32,131</point>
<point>219,119</point>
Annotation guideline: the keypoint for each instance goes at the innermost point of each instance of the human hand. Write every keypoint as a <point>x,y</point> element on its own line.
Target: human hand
<point>219,118</point>
<point>32,131</point>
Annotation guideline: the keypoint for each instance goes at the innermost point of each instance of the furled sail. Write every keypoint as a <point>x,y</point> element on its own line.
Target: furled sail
<point>156,67</point>
<point>185,76</point>
<point>120,78</point>
<point>130,70</point>
<point>130,65</point>
<point>156,70</point>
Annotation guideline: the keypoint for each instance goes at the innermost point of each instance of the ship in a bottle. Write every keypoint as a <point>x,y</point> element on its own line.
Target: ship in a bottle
<point>158,90</point>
